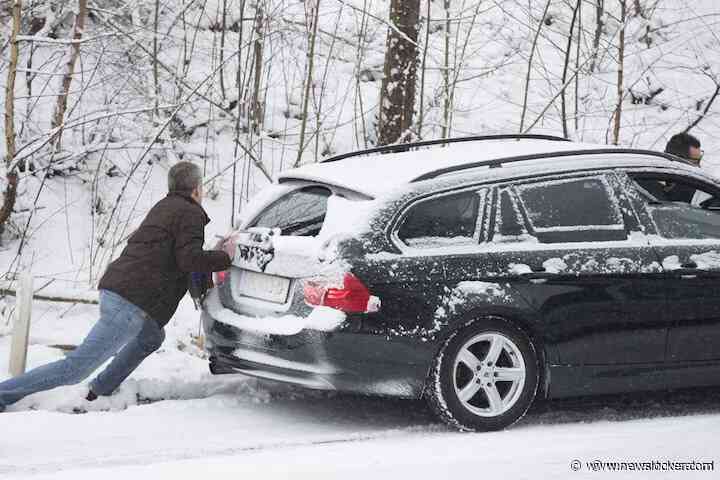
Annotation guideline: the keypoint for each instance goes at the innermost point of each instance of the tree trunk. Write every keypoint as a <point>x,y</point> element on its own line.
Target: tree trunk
<point>313,16</point>
<point>256,107</point>
<point>12,178</point>
<point>568,51</point>
<point>239,88</point>
<point>446,71</point>
<point>638,9</point>
<point>397,95</point>
<point>422,72</point>
<point>222,49</point>
<point>577,68</point>
<point>156,73</point>
<point>621,59</point>
<point>529,67</point>
<point>599,12</point>
<point>61,106</point>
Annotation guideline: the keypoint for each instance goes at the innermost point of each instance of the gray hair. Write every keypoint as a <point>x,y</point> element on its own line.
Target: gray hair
<point>184,177</point>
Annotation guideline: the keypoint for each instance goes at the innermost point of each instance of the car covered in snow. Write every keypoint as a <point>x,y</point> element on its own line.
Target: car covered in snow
<point>479,273</point>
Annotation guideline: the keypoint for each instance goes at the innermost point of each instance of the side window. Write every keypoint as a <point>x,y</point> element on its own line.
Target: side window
<point>679,220</point>
<point>673,188</point>
<point>299,213</point>
<point>509,223</point>
<point>572,210</point>
<point>680,207</point>
<point>447,220</point>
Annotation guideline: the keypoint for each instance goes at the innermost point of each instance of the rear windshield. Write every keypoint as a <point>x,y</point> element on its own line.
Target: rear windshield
<point>299,213</point>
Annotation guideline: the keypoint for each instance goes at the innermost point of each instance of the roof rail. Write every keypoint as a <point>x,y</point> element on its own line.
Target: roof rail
<point>404,147</point>
<point>499,162</point>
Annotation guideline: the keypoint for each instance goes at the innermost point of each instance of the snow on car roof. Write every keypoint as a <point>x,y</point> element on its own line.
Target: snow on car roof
<point>376,174</point>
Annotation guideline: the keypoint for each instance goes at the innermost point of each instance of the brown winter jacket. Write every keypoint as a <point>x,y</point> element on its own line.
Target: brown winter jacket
<point>153,270</point>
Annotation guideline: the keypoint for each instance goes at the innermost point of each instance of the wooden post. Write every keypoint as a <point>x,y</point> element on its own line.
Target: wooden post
<point>21,329</point>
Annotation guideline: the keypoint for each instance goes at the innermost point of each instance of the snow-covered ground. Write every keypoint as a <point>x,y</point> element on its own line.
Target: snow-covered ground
<point>263,434</point>
<point>172,419</point>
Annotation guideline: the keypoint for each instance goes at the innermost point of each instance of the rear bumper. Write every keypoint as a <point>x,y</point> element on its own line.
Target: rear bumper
<point>342,361</point>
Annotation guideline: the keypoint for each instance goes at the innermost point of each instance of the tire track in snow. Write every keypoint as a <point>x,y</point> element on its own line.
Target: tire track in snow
<point>156,457</point>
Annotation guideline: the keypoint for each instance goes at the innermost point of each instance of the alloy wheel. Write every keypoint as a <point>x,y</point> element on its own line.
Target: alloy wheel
<point>489,374</point>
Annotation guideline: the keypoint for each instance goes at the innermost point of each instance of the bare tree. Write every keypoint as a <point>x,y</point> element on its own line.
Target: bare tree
<point>459,54</point>
<point>312,16</point>
<point>11,175</point>
<point>568,52</point>
<point>529,67</point>
<point>423,70</point>
<point>639,11</point>
<point>156,72</point>
<point>577,67</point>
<point>446,70</point>
<point>599,13</point>
<point>223,28</point>
<point>621,61</point>
<point>397,93</point>
<point>239,88</point>
<point>256,105</point>
<point>359,102</point>
<point>62,101</point>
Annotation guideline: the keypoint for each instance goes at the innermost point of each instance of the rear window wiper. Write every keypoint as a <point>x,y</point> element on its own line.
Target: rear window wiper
<point>288,229</point>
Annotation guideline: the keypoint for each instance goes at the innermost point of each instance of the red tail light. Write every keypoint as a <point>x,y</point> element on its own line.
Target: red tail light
<point>220,277</point>
<point>352,297</point>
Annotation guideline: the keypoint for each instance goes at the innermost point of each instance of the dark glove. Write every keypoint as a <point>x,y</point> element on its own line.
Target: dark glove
<point>200,283</point>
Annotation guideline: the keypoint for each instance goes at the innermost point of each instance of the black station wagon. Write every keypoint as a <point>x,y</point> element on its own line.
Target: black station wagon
<point>478,273</point>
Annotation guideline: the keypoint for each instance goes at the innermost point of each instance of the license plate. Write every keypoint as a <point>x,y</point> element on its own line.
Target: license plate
<point>270,288</point>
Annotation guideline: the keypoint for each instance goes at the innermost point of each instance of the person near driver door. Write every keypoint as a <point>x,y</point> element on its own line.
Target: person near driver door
<point>684,146</point>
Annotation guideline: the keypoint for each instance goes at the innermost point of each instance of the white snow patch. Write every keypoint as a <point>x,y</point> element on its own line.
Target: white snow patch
<point>616,264</point>
<point>321,318</point>
<point>671,263</point>
<point>297,246</point>
<point>519,269</point>
<point>554,265</point>
<point>275,361</point>
<point>433,242</point>
<point>480,288</point>
<point>345,216</point>
<point>653,267</point>
<point>461,294</point>
<point>707,261</point>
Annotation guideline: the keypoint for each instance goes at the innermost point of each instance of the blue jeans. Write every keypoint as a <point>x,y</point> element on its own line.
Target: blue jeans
<point>124,331</point>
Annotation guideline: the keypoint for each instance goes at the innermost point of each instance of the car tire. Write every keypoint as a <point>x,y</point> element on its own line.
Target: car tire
<point>484,377</point>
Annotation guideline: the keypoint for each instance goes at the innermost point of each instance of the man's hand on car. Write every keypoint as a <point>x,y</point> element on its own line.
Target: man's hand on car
<point>229,245</point>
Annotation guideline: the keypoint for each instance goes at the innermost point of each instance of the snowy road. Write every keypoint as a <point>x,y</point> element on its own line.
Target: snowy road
<point>275,432</point>
<point>236,427</point>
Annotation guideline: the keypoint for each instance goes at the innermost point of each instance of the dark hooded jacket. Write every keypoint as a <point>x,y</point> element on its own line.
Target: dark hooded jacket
<point>153,271</point>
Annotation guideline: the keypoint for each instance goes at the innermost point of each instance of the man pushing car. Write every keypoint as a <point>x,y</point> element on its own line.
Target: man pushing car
<point>139,293</point>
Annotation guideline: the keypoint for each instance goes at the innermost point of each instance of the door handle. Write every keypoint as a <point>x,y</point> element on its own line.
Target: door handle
<point>687,271</point>
<point>537,277</point>
<point>533,275</point>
